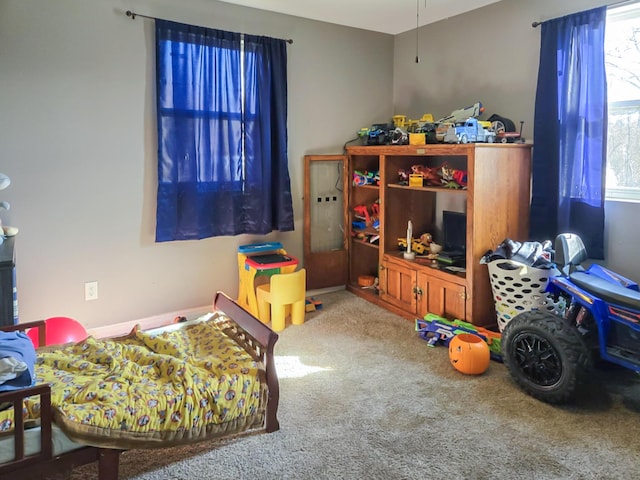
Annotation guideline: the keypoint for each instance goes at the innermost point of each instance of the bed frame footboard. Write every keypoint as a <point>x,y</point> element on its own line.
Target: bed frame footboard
<point>262,340</point>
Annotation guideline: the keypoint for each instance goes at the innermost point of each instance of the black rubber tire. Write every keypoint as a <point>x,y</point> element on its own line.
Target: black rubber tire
<point>545,355</point>
<point>508,125</point>
<point>498,126</point>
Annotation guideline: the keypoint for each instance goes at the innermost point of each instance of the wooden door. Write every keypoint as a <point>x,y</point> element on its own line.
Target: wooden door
<point>326,256</point>
<point>398,285</point>
<point>440,297</point>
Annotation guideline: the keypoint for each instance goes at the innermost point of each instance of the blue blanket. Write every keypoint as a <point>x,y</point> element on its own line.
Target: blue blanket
<point>18,345</point>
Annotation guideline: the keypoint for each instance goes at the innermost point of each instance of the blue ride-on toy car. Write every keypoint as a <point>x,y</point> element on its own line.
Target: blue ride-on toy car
<point>549,353</point>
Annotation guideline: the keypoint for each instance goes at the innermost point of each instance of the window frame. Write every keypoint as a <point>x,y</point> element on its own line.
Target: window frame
<point>619,14</point>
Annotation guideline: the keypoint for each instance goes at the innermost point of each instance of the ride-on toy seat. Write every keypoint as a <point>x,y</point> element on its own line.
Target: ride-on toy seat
<point>549,353</point>
<point>571,253</point>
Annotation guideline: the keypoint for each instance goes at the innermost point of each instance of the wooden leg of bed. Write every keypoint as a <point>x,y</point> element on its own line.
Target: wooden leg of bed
<point>108,463</point>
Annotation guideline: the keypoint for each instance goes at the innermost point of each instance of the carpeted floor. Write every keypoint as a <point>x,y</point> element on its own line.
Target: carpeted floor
<point>364,397</point>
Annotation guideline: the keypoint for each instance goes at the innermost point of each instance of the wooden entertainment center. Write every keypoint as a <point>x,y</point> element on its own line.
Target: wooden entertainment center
<point>496,202</point>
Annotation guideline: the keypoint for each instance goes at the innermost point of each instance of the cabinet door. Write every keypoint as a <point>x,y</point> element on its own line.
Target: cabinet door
<point>440,297</point>
<point>398,286</point>
<point>325,221</point>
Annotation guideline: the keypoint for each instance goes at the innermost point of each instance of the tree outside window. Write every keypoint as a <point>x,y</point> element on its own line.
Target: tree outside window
<point>622,50</point>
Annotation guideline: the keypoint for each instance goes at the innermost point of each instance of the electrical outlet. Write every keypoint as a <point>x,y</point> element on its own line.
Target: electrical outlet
<point>91,290</point>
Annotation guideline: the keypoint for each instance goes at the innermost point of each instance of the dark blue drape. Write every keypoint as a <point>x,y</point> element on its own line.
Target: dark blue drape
<point>570,131</point>
<point>222,133</point>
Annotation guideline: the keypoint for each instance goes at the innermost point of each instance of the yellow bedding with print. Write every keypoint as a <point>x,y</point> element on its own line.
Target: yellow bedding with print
<point>154,389</point>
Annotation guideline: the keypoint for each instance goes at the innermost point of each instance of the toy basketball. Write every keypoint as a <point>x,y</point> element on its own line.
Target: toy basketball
<point>469,354</point>
<point>59,330</point>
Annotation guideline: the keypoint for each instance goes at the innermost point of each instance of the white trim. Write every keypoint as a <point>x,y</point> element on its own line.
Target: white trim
<point>148,323</point>
<point>320,291</point>
<point>625,194</point>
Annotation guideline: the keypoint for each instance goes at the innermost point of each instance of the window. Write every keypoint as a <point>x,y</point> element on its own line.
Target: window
<point>222,135</point>
<point>622,56</point>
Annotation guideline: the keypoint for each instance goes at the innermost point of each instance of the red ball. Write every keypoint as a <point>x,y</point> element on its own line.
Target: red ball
<point>59,330</point>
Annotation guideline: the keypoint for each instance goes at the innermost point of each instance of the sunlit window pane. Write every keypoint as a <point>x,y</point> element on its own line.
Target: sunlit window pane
<point>622,49</point>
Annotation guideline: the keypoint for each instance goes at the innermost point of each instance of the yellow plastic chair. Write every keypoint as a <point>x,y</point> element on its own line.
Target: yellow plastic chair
<point>284,294</point>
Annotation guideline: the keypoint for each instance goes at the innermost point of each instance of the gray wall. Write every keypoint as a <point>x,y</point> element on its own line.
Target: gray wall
<point>77,134</point>
<point>491,55</point>
<point>77,138</point>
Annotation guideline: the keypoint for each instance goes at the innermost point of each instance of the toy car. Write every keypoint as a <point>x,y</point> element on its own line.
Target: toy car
<point>377,134</point>
<point>504,136</point>
<point>416,245</point>
<point>548,353</point>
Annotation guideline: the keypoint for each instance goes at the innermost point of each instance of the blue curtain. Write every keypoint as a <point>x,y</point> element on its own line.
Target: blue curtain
<point>222,133</point>
<point>570,131</point>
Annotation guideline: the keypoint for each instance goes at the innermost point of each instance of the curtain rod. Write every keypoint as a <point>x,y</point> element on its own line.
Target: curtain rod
<point>615,4</point>
<point>133,16</point>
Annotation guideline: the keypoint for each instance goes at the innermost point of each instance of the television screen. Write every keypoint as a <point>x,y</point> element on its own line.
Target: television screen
<point>454,229</point>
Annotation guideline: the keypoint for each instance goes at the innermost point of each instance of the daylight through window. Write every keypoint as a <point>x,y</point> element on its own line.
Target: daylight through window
<point>622,57</point>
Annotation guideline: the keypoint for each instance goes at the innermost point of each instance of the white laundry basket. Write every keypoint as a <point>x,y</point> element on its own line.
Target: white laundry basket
<point>519,288</point>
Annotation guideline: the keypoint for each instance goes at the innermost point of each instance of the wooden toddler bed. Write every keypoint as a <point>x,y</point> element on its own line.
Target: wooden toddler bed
<point>180,384</point>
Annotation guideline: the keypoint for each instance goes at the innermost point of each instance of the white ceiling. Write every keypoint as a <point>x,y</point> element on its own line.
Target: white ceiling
<point>386,16</point>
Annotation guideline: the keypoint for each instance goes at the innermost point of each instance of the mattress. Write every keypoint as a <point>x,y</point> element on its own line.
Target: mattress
<point>61,443</point>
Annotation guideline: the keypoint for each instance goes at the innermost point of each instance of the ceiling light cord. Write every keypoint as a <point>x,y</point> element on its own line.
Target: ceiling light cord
<point>417,26</point>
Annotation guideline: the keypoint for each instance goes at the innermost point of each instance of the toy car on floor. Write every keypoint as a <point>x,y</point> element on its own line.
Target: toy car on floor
<point>549,353</point>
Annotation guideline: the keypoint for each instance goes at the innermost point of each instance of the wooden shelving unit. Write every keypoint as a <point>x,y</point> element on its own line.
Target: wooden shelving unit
<point>496,203</point>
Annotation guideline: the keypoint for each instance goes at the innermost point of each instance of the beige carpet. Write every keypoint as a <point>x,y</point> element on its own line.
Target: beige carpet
<point>364,397</point>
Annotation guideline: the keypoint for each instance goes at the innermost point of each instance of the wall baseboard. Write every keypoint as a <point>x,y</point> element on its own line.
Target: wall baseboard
<point>123,328</point>
<point>320,291</point>
<point>148,323</point>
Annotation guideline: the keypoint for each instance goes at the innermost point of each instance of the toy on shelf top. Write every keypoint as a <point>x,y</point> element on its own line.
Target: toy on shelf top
<point>398,131</point>
<point>377,134</point>
<point>470,130</point>
<point>460,126</point>
<point>505,129</point>
<point>424,125</point>
<point>460,115</point>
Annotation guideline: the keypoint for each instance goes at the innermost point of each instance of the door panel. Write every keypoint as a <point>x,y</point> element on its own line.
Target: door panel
<point>398,286</point>
<point>440,297</point>
<point>325,221</point>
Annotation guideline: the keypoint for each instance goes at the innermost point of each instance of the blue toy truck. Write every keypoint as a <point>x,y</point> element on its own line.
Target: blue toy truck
<point>471,130</point>
<point>548,353</point>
